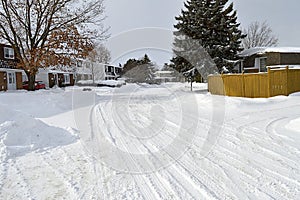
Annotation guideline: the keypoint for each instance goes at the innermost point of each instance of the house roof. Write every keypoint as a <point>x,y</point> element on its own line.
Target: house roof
<point>263,50</point>
<point>9,69</point>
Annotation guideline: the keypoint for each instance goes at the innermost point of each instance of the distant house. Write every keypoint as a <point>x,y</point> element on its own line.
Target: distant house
<point>112,72</point>
<point>84,71</point>
<point>10,77</point>
<point>256,60</point>
<point>52,77</point>
<point>168,76</point>
<point>87,71</point>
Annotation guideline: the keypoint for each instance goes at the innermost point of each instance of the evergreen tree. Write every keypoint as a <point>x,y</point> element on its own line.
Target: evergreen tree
<point>140,71</point>
<point>206,26</point>
<point>146,59</point>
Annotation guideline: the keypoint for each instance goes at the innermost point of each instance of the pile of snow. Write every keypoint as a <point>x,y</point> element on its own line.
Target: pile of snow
<point>111,83</point>
<point>21,133</point>
<point>85,82</point>
<point>294,125</point>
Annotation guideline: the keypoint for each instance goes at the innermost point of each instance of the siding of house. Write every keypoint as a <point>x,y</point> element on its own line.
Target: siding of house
<point>19,80</point>
<point>2,52</point>
<point>290,59</point>
<point>249,61</point>
<point>51,80</point>
<point>273,58</point>
<point>3,81</point>
<point>4,62</point>
<point>60,80</point>
<point>72,80</point>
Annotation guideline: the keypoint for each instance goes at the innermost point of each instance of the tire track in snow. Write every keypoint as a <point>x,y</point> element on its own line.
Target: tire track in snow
<point>93,124</point>
<point>150,182</point>
<point>229,161</point>
<point>198,194</point>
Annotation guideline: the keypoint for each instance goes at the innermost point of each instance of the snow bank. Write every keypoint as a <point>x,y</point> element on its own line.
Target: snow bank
<point>297,94</point>
<point>111,83</point>
<point>21,133</point>
<point>294,125</point>
<point>85,82</point>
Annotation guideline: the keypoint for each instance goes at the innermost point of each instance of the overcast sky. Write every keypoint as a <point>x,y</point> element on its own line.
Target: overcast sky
<point>128,17</point>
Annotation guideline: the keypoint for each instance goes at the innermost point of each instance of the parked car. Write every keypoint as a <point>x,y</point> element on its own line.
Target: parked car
<point>38,85</point>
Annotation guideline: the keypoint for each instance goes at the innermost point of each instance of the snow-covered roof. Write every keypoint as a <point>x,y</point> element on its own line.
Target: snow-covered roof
<point>59,72</point>
<point>9,69</point>
<point>263,50</point>
<point>163,72</point>
<point>284,66</point>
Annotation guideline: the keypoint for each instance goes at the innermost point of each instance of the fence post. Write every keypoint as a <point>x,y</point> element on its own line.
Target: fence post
<point>269,83</point>
<point>287,81</point>
<point>222,78</point>
<point>243,84</point>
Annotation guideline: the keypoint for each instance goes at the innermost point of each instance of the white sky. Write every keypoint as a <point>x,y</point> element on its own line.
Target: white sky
<point>127,15</point>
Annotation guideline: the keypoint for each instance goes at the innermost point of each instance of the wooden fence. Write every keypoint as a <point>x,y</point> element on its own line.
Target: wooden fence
<point>260,85</point>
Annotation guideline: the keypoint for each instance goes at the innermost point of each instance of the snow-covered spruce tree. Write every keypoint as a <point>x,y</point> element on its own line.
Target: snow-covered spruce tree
<point>50,32</point>
<point>210,25</point>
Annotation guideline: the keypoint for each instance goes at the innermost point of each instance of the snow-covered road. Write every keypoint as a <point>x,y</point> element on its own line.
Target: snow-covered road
<point>149,142</point>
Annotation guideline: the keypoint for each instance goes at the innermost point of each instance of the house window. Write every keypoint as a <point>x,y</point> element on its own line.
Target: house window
<point>9,53</point>
<point>67,78</point>
<point>79,64</point>
<point>261,64</point>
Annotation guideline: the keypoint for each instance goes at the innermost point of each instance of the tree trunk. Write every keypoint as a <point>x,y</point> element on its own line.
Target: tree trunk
<point>31,81</point>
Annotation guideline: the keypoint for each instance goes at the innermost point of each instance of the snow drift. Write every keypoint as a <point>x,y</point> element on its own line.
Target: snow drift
<point>21,133</point>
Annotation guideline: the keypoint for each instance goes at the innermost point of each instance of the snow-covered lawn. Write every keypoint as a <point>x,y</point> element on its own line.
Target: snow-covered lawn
<point>148,142</point>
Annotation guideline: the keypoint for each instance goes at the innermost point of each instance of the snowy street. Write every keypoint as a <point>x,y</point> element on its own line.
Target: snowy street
<point>148,142</point>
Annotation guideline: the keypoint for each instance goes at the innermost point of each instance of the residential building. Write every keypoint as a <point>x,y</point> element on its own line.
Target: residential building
<point>256,60</point>
<point>10,76</point>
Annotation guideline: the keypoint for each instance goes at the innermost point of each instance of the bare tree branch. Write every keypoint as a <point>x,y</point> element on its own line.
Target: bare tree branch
<point>259,35</point>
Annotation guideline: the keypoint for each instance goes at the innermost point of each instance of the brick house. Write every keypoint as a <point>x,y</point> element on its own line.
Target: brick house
<point>256,60</point>
<point>10,77</point>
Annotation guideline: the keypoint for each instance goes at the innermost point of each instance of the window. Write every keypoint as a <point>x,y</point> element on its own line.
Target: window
<point>261,64</point>
<point>79,63</point>
<point>9,53</point>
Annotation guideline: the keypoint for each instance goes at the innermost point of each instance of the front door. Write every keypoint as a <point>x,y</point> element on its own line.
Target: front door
<point>11,81</point>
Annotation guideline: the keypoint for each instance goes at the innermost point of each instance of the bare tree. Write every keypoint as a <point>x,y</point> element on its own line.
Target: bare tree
<point>49,32</point>
<point>100,54</point>
<point>259,35</point>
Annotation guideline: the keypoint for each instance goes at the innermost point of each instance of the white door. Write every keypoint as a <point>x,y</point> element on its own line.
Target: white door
<point>11,81</point>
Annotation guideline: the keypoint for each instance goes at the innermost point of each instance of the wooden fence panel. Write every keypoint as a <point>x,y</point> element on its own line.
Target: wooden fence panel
<point>293,81</point>
<point>256,85</point>
<point>278,82</point>
<point>233,85</point>
<point>215,85</point>
<point>260,85</point>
